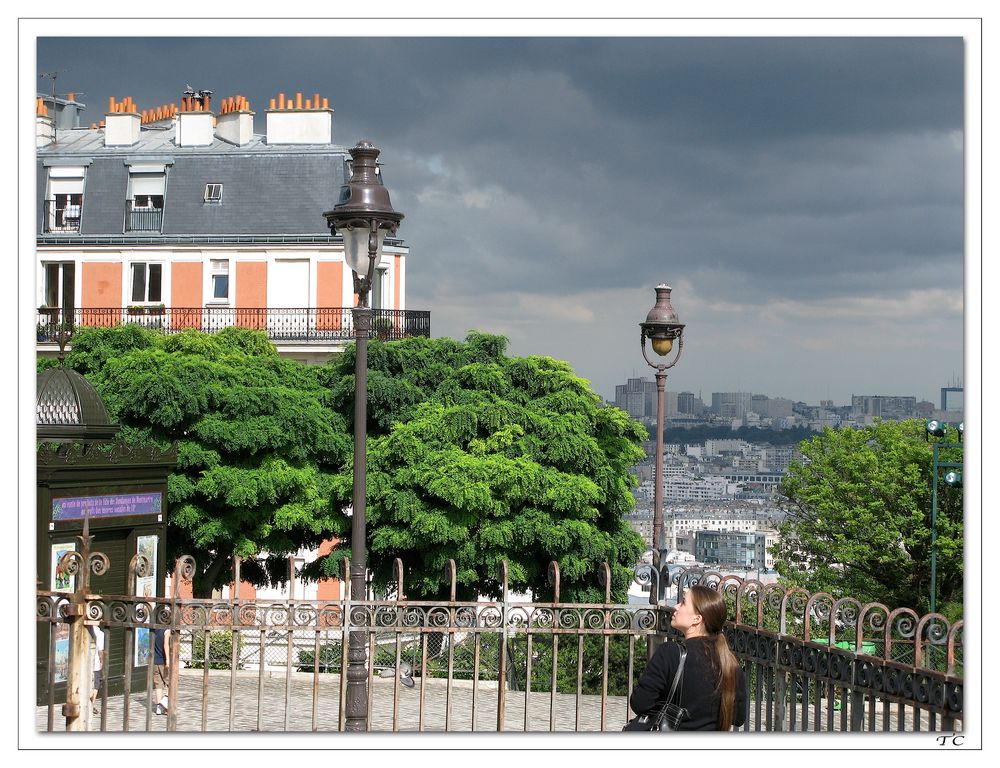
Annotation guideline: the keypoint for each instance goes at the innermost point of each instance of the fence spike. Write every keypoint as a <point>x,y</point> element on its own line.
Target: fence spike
<point>450,574</point>
<point>604,576</point>
<point>503,577</point>
<point>553,579</point>
<point>397,566</point>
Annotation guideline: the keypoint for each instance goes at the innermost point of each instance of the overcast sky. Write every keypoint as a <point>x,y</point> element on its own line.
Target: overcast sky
<point>803,196</point>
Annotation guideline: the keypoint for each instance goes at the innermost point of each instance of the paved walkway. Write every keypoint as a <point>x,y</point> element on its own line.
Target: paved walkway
<point>195,712</point>
<point>191,715</point>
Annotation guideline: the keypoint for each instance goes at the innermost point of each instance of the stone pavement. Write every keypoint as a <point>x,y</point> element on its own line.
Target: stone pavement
<point>195,712</point>
<point>271,716</point>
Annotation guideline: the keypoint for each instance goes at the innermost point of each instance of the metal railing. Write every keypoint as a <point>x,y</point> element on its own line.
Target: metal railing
<point>142,219</point>
<point>64,219</point>
<point>812,662</point>
<point>305,325</point>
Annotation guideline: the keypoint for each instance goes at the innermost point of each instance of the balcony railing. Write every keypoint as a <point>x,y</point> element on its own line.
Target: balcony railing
<point>60,219</point>
<point>142,219</point>
<point>315,325</point>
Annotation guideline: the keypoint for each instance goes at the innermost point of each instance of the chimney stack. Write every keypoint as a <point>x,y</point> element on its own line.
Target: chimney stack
<point>299,120</point>
<point>235,123</point>
<point>121,123</point>
<point>45,126</point>
<point>194,120</point>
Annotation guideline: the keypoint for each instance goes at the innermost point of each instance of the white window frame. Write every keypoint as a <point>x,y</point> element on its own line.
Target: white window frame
<point>60,282</point>
<point>210,274</point>
<point>65,181</point>
<point>131,278</point>
<point>214,199</point>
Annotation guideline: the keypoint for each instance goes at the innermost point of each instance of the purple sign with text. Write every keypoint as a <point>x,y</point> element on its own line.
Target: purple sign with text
<point>75,507</point>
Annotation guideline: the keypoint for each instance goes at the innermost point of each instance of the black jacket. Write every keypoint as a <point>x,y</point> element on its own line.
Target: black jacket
<point>698,689</point>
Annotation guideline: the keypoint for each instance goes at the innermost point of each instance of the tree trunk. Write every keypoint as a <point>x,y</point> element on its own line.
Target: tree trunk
<point>203,585</point>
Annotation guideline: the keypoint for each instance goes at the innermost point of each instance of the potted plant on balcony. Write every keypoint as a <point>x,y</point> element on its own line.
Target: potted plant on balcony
<point>135,309</point>
<point>49,316</point>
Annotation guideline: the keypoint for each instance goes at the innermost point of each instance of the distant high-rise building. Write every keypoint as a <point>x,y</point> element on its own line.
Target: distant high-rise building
<point>952,399</point>
<point>637,397</point>
<point>685,402</point>
<point>731,405</point>
<point>883,406</point>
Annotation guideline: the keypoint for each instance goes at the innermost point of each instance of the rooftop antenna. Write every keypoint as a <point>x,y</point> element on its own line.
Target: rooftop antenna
<point>52,76</point>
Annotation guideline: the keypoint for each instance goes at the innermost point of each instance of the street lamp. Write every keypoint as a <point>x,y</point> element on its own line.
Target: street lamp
<point>363,216</point>
<point>662,327</point>
<point>952,478</point>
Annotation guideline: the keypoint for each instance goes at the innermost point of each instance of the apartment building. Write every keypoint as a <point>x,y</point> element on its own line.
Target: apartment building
<point>180,216</point>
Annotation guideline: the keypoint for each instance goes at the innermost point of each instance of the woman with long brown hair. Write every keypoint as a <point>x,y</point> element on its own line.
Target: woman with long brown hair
<point>713,689</point>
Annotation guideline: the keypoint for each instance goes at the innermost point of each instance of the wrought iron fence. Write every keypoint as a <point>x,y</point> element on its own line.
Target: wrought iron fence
<point>812,662</point>
<point>294,325</point>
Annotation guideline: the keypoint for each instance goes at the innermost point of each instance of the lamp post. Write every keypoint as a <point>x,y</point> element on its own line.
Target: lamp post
<point>952,478</point>
<point>662,327</point>
<point>363,216</point>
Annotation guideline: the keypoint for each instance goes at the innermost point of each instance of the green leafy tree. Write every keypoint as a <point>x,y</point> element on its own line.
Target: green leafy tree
<point>257,441</point>
<point>481,457</point>
<point>859,518</point>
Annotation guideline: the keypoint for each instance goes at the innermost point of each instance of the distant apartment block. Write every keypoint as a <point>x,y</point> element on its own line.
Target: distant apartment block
<point>733,549</point>
<point>883,406</point>
<point>731,405</point>
<point>718,447</point>
<point>637,397</point>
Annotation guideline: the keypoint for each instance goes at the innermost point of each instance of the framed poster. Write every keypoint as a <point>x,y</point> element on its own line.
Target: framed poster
<point>145,586</point>
<point>59,580</point>
<point>61,660</point>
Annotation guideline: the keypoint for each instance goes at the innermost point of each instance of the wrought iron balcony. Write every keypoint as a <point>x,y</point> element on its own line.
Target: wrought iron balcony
<point>142,219</point>
<point>314,325</point>
<point>60,218</point>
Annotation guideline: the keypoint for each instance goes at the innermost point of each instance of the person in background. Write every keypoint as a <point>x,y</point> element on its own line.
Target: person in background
<point>714,688</point>
<point>161,670</point>
<point>97,635</point>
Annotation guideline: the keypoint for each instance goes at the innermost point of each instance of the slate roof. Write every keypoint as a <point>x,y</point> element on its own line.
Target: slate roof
<point>268,190</point>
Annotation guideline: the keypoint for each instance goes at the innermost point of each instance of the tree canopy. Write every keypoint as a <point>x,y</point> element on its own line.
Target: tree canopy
<point>472,455</point>
<point>859,518</point>
<point>477,456</point>
<point>257,441</point>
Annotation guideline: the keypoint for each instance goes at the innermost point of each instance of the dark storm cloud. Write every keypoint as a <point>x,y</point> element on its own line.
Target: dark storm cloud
<point>759,171</point>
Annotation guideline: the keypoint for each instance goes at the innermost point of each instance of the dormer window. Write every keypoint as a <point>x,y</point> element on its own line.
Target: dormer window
<point>144,206</point>
<point>213,193</point>
<point>64,199</point>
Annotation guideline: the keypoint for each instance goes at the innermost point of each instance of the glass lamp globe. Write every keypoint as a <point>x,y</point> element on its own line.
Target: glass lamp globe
<point>356,247</point>
<point>662,347</point>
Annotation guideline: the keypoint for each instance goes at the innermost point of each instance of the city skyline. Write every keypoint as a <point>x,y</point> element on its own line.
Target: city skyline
<point>803,196</point>
<point>706,393</point>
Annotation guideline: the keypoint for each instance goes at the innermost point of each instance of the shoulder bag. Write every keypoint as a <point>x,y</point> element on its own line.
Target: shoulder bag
<point>671,715</point>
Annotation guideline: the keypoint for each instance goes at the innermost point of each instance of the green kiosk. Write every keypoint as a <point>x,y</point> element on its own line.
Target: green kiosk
<point>85,473</point>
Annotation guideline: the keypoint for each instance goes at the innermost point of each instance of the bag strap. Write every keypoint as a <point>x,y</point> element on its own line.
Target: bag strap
<point>676,684</point>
